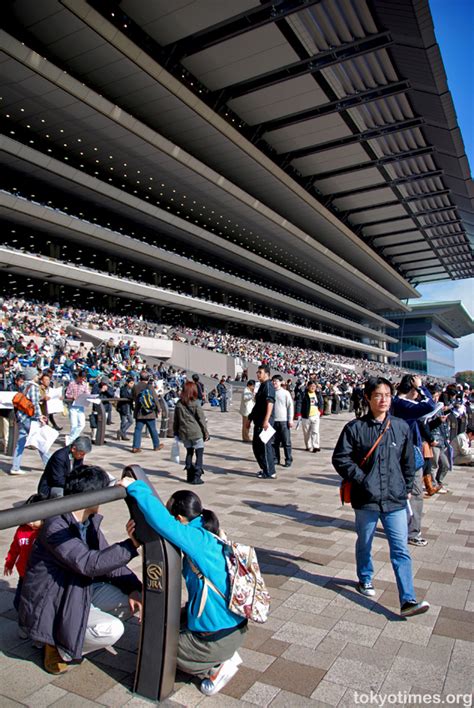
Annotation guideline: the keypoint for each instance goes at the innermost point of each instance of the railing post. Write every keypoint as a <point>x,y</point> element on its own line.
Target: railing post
<point>156,662</point>
<point>99,409</point>
<point>12,434</point>
<point>164,417</point>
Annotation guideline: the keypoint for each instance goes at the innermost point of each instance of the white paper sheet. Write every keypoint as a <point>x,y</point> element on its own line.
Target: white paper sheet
<point>41,436</point>
<point>267,434</point>
<point>55,403</point>
<point>84,400</point>
<point>6,398</point>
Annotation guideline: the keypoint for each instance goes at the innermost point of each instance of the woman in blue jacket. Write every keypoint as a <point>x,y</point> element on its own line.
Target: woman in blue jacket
<point>412,402</point>
<point>209,642</point>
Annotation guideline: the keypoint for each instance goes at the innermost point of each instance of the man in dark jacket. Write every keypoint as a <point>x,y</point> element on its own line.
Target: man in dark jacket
<point>222,394</point>
<point>62,465</point>
<point>375,454</point>
<point>146,408</point>
<point>74,580</point>
<point>125,408</point>
<point>262,416</point>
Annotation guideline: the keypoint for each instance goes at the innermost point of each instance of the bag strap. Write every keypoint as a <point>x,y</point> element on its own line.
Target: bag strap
<point>207,583</point>
<point>387,426</point>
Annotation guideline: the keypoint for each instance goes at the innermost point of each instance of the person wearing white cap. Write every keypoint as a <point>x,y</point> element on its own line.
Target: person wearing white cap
<point>32,392</point>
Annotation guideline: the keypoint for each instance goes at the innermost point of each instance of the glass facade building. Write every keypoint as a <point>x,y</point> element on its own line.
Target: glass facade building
<point>426,338</point>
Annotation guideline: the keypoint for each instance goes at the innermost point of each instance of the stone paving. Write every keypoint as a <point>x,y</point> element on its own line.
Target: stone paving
<point>323,643</point>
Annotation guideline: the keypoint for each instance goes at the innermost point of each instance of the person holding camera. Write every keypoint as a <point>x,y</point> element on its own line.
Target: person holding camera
<point>412,402</point>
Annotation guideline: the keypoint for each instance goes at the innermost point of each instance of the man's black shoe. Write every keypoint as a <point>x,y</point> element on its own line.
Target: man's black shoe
<point>287,464</point>
<point>412,608</point>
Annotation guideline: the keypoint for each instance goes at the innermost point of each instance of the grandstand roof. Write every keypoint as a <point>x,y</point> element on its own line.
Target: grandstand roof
<point>452,316</point>
<point>339,111</point>
<point>308,141</point>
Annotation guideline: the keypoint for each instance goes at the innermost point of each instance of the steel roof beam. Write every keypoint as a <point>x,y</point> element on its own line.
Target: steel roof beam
<point>416,270</point>
<point>414,214</point>
<point>315,63</point>
<point>361,137</point>
<point>336,106</point>
<point>399,243</point>
<point>402,200</point>
<point>405,253</point>
<point>438,210</point>
<point>426,195</point>
<point>371,239</point>
<point>381,162</point>
<point>235,26</point>
<point>452,222</point>
<point>393,183</point>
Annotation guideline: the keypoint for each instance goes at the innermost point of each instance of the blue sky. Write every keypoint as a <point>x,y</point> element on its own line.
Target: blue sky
<point>454,28</point>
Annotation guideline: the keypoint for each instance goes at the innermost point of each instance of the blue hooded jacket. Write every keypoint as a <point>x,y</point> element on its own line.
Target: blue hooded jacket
<point>411,411</point>
<point>205,552</point>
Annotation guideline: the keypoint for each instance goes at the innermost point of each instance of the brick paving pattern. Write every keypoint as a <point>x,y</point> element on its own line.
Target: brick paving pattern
<point>323,641</point>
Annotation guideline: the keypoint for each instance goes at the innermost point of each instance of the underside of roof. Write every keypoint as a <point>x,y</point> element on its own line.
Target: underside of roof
<point>335,114</point>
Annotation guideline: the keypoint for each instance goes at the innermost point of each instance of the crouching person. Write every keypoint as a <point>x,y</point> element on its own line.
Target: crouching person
<point>76,586</point>
<point>212,635</point>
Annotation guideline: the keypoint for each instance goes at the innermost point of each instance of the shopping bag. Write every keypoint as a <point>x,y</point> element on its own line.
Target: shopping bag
<point>175,451</point>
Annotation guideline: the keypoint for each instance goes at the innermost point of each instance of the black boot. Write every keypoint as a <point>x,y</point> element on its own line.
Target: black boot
<point>197,477</point>
<point>199,460</point>
<point>189,458</point>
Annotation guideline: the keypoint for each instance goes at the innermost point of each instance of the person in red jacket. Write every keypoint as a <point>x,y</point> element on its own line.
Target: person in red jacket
<point>20,549</point>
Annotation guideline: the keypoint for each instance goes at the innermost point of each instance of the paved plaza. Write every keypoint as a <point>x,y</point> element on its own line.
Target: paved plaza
<point>324,644</point>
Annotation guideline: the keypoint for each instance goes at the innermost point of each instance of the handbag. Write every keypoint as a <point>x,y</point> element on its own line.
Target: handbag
<point>346,484</point>
<point>22,403</point>
<point>427,450</point>
<point>419,459</point>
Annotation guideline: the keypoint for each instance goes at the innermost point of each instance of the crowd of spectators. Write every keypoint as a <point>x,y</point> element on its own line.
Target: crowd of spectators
<point>23,322</point>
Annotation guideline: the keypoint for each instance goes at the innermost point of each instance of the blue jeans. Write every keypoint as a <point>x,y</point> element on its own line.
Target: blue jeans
<point>396,530</point>
<point>137,433</point>
<point>23,432</point>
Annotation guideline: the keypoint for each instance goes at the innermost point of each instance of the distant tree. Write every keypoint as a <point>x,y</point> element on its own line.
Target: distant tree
<point>465,377</point>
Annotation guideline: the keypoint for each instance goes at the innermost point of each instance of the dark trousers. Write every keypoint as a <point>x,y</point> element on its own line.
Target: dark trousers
<point>16,599</point>
<point>282,437</point>
<point>264,454</point>
<point>223,404</point>
<point>126,420</point>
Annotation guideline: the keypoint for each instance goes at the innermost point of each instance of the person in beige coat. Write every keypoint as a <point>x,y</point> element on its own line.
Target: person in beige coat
<point>246,405</point>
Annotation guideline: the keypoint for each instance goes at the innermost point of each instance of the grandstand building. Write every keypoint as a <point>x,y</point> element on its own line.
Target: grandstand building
<point>288,169</point>
<point>427,336</point>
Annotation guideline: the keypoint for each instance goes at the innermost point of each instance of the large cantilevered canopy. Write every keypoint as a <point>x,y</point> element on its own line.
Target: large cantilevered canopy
<point>348,101</point>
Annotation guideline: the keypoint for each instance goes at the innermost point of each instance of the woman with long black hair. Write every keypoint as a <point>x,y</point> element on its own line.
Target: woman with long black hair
<point>212,634</point>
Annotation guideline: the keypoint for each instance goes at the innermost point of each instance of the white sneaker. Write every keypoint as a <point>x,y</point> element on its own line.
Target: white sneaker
<point>12,471</point>
<point>221,676</point>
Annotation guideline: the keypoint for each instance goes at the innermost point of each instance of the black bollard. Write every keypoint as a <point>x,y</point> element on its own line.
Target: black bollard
<point>156,662</point>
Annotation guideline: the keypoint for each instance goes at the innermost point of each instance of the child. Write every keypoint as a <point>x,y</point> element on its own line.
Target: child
<point>20,549</point>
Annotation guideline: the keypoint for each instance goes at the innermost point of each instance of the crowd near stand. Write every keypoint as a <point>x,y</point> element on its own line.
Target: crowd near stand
<point>406,435</point>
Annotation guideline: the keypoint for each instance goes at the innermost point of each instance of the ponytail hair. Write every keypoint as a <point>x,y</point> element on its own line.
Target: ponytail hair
<point>186,503</point>
<point>210,521</point>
